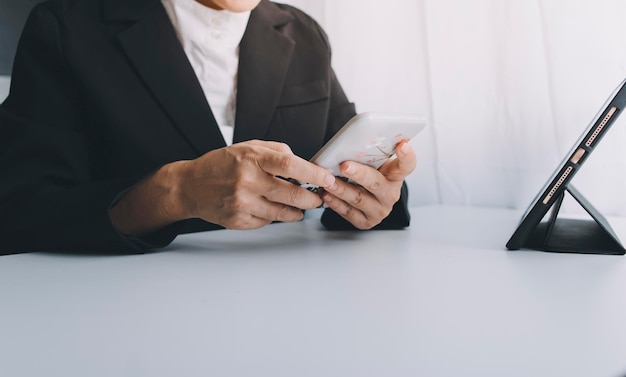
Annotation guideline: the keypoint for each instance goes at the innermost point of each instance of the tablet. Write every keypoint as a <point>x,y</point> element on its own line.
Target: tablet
<point>571,164</point>
<point>369,139</point>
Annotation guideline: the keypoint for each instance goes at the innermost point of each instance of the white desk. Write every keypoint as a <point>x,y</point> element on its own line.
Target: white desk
<point>441,299</point>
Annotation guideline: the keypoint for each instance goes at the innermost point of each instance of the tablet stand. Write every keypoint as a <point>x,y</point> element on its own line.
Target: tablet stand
<point>592,236</point>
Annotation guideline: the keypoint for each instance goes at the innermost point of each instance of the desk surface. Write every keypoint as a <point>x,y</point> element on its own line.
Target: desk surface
<point>443,298</point>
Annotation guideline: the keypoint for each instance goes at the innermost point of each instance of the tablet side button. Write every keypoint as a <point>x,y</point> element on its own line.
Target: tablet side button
<point>577,156</point>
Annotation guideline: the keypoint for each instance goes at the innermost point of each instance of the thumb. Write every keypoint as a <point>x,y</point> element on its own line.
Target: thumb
<point>401,166</point>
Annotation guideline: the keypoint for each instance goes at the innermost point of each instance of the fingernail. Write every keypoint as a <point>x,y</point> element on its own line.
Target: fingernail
<point>329,180</point>
<point>351,169</point>
<point>405,148</point>
<point>327,198</point>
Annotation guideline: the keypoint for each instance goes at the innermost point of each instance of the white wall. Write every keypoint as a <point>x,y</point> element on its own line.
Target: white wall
<point>378,60</point>
<point>508,86</point>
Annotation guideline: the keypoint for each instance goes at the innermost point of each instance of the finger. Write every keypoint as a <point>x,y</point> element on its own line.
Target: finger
<point>272,211</point>
<point>399,168</point>
<point>353,215</point>
<point>261,213</point>
<point>354,195</point>
<point>292,195</point>
<point>292,166</point>
<point>369,178</point>
<point>246,223</point>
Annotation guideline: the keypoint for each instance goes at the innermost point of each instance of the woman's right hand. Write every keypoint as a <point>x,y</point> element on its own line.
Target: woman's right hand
<point>238,187</point>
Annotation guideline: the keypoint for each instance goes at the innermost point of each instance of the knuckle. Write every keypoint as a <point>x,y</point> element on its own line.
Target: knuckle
<point>282,213</point>
<point>232,220</point>
<point>358,198</point>
<point>237,202</point>
<point>236,223</point>
<point>295,195</point>
<point>370,223</point>
<point>284,148</point>
<point>374,186</point>
<point>381,214</point>
<point>243,180</point>
<point>238,176</point>
<point>286,163</point>
<point>348,211</point>
<point>361,225</point>
<point>286,213</point>
<point>340,189</point>
<point>244,223</point>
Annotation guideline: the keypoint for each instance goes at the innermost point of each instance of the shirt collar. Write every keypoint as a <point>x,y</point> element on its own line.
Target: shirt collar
<point>199,23</point>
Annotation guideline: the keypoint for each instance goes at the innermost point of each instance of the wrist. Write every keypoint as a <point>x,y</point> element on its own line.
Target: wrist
<point>173,201</point>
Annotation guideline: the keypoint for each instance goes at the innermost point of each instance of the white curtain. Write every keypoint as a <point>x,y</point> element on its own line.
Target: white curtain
<point>507,85</point>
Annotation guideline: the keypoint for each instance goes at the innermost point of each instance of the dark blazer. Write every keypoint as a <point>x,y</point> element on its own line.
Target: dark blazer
<point>102,95</point>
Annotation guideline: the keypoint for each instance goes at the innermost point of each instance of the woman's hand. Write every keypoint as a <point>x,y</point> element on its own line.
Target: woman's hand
<point>370,199</point>
<point>238,187</point>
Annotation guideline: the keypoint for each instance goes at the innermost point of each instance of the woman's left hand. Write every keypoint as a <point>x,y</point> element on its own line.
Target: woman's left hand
<point>370,198</point>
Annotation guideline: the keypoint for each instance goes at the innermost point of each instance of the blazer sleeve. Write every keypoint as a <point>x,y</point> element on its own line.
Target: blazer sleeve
<point>49,198</point>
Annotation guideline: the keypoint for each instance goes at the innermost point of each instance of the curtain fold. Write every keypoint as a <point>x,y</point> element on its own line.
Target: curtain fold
<point>507,85</point>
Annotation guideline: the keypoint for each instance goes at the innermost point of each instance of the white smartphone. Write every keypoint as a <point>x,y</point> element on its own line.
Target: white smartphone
<point>369,139</point>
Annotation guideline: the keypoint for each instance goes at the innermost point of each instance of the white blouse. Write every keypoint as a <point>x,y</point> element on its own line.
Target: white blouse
<point>211,40</point>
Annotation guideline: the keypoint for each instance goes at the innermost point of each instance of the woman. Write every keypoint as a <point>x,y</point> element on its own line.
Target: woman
<point>115,135</point>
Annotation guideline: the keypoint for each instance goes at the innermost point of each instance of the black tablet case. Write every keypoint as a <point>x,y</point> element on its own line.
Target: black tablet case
<point>593,236</point>
<point>567,235</point>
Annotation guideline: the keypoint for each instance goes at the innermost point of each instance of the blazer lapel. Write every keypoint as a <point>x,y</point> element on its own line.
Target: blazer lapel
<point>154,50</point>
<point>263,61</point>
